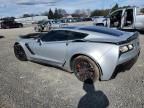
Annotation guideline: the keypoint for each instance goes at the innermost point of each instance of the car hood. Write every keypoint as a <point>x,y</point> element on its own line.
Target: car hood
<point>126,37</point>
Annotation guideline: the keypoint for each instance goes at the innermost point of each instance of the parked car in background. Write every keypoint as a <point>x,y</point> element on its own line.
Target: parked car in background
<point>125,18</point>
<point>48,25</point>
<point>40,26</point>
<point>87,19</point>
<point>10,24</point>
<point>97,17</point>
<point>90,52</point>
<point>100,19</point>
<point>70,20</point>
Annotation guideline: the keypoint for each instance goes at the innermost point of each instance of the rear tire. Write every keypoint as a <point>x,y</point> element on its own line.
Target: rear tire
<point>85,68</point>
<point>19,52</point>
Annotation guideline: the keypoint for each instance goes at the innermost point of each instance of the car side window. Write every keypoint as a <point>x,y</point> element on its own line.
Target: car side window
<point>116,14</point>
<point>76,35</point>
<point>140,11</point>
<point>58,35</point>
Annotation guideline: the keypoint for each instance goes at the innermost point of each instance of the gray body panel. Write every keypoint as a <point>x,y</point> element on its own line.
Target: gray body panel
<point>103,48</point>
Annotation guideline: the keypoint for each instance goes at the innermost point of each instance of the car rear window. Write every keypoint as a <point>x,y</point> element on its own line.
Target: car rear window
<point>104,30</point>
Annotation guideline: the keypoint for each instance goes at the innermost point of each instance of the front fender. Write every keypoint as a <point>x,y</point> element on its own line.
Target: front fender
<point>22,42</point>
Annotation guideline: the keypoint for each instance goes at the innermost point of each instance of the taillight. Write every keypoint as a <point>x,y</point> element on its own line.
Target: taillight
<point>126,48</point>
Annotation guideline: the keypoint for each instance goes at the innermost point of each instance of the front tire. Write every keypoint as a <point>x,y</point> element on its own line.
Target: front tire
<point>19,52</point>
<point>85,68</point>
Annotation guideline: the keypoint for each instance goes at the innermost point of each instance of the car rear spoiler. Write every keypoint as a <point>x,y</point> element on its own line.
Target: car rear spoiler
<point>133,37</point>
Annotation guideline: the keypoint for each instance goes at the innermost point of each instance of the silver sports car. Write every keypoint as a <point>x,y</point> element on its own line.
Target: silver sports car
<point>90,52</point>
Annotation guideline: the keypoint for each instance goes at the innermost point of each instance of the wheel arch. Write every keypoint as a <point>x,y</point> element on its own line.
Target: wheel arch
<point>79,54</point>
<point>24,47</point>
<point>16,43</point>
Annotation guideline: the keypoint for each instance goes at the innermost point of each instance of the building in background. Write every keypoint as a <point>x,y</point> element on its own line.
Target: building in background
<point>31,20</point>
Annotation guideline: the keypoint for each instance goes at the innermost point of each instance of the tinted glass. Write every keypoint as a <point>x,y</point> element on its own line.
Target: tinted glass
<point>140,11</point>
<point>55,36</point>
<point>104,30</point>
<point>117,14</point>
<point>76,35</point>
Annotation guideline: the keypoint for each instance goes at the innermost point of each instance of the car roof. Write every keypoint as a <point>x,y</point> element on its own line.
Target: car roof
<point>97,29</point>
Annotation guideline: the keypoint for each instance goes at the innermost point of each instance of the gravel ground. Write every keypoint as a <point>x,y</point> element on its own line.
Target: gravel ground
<point>31,85</point>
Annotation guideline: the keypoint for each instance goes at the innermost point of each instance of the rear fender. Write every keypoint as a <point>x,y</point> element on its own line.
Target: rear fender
<point>108,62</point>
<point>96,51</point>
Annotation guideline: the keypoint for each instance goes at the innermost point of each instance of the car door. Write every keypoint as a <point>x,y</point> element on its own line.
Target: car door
<point>116,18</point>
<point>128,19</point>
<point>51,47</point>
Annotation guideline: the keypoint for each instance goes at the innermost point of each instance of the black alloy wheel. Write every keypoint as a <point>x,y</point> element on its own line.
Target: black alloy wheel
<point>20,53</point>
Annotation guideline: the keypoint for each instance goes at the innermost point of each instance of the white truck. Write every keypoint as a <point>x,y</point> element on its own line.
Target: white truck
<point>124,18</point>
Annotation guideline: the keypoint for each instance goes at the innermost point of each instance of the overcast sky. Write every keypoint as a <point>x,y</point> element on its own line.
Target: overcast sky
<point>19,7</point>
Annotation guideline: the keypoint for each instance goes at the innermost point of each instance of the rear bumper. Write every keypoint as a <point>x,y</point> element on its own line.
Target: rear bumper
<point>128,56</point>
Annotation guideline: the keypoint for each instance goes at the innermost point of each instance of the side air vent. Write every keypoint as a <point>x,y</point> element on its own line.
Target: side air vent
<point>29,49</point>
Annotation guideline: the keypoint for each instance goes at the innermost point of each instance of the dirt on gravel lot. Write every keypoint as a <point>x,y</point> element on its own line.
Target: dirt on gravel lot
<point>31,85</point>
